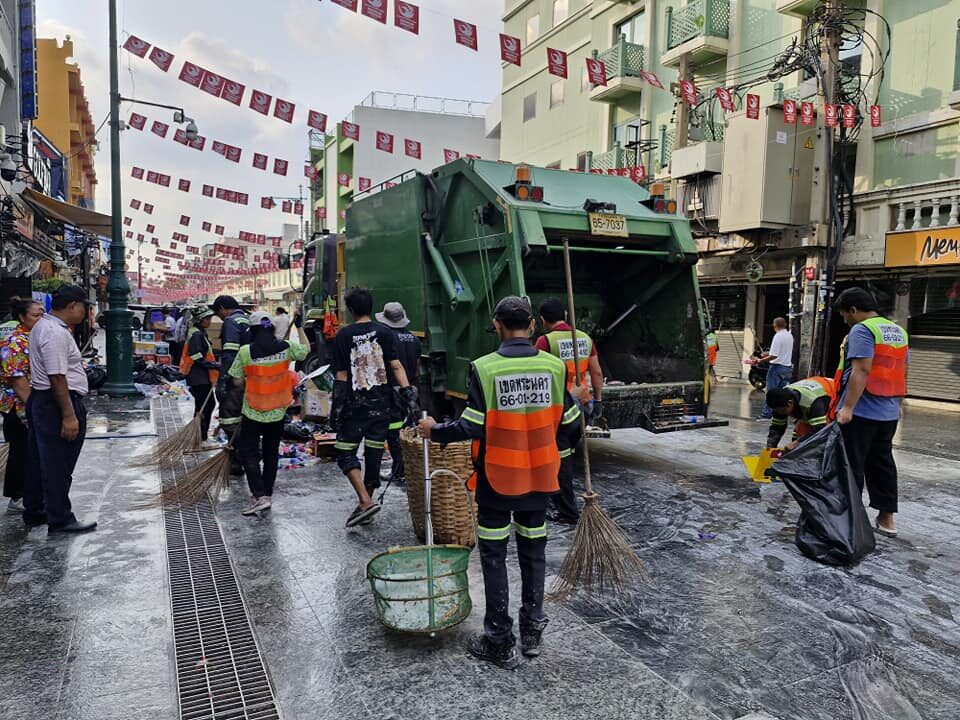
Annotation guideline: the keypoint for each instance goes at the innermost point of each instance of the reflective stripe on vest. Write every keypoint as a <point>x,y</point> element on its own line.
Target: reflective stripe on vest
<point>268,381</point>
<point>187,360</point>
<point>810,390</point>
<point>524,400</point>
<point>561,346</point>
<point>888,373</point>
<point>712,347</point>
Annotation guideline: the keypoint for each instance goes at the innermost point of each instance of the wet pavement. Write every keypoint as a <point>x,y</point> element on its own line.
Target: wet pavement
<point>736,622</point>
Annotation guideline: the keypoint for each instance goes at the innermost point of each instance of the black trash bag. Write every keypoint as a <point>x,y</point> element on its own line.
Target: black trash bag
<point>96,376</point>
<point>833,528</point>
<point>298,431</point>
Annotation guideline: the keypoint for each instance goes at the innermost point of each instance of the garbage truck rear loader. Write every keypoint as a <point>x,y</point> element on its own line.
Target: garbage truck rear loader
<point>449,244</point>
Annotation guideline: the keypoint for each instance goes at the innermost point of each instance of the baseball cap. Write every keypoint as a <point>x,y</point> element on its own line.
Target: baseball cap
<point>261,318</point>
<point>513,308</point>
<point>393,315</point>
<point>69,294</point>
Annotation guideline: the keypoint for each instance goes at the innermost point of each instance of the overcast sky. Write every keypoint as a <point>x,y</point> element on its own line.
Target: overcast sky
<point>311,52</point>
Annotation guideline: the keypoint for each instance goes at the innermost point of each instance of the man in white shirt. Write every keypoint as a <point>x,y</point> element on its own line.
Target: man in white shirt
<point>281,324</point>
<point>780,357</point>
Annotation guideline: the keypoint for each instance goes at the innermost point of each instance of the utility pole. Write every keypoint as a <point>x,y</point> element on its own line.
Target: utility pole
<point>118,316</point>
<point>814,325</point>
<point>683,121</point>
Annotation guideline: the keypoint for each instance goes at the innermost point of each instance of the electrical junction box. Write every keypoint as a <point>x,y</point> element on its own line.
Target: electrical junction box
<point>767,172</point>
<point>704,157</point>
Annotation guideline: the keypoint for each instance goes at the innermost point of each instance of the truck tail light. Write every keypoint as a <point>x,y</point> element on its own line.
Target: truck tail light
<point>536,193</point>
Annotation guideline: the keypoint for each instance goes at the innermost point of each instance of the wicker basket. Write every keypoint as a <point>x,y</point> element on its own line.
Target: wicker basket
<point>452,520</point>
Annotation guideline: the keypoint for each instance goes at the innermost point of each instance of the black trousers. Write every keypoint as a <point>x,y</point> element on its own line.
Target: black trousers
<point>492,538</point>
<point>51,459</point>
<point>370,426</point>
<point>15,433</point>
<point>869,445</point>
<point>230,400</point>
<point>393,442</point>
<point>565,501</point>
<point>200,393</point>
<point>258,441</point>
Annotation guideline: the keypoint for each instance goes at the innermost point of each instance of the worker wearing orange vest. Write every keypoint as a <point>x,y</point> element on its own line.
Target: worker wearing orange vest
<point>808,401</point>
<point>873,380</point>
<point>558,341</point>
<point>521,418</point>
<point>263,367</point>
<point>199,366</point>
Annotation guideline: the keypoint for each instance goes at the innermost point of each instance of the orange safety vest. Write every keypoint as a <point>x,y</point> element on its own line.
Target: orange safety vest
<point>712,348</point>
<point>186,362</point>
<point>888,372</point>
<point>524,401</point>
<point>268,382</point>
<point>561,346</point>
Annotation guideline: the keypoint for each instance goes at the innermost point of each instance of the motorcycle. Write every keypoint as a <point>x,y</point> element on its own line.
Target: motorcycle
<point>757,376</point>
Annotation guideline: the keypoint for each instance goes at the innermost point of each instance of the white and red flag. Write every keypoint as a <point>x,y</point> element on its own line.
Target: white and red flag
<point>350,130</point>
<point>218,230</point>
<point>450,155</point>
<point>596,72</point>
<point>286,206</point>
<point>151,228</point>
<point>135,204</point>
<point>384,141</point>
<point>849,116</point>
<point>159,128</point>
<point>137,46</point>
<point>465,33</point>
<point>806,113</point>
<point>260,102</point>
<point>688,91</point>
<point>317,120</point>
<point>830,115</point>
<point>297,210</point>
<point>363,184</point>
<point>184,185</point>
<point>348,4</point>
<point>219,148</point>
<point>192,74</point>
<point>284,110</point>
<point>180,136</point>
<point>212,83</point>
<point>753,107</point>
<point>185,220</point>
<point>279,166</point>
<point>406,16</point>
<point>233,153</point>
<point>309,171</point>
<point>412,148</point>
<point>161,58</point>
<point>876,118</point>
<point>557,62</point>
<point>651,78</point>
<point>790,111</point>
<point>267,203</point>
<point>725,97</point>
<point>375,10</point>
<point>137,121</point>
<point>510,51</point>
<point>233,92</point>
<point>207,190</point>
<point>199,143</point>
<point>137,172</point>
<point>148,208</point>
<point>343,179</point>
<point>260,161</point>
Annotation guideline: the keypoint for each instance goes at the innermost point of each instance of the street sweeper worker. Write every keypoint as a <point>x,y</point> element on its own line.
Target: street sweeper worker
<point>364,358</point>
<point>234,334</point>
<point>200,366</point>
<point>262,369</point>
<point>807,401</point>
<point>520,418</point>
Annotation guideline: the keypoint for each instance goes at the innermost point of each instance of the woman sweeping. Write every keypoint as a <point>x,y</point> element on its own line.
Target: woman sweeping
<point>14,391</point>
<point>199,365</point>
<point>264,368</point>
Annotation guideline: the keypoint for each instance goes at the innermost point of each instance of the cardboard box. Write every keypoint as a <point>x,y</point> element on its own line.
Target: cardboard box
<point>164,360</point>
<point>163,348</point>
<point>150,358</point>
<point>148,336</point>
<point>144,348</point>
<point>315,403</point>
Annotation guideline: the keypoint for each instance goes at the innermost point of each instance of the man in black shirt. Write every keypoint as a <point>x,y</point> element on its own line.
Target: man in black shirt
<point>408,352</point>
<point>364,358</point>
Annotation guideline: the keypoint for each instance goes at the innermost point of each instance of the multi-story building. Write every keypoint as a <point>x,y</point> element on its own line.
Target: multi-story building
<point>752,188</point>
<point>64,117</point>
<point>436,127</point>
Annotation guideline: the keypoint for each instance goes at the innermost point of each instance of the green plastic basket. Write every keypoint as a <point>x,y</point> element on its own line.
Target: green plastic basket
<point>421,589</point>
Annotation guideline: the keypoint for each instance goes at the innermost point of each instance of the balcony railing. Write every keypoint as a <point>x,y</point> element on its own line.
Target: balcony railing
<point>625,59</point>
<point>616,159</point>
<point>697,18</point>
<point>913,215</point>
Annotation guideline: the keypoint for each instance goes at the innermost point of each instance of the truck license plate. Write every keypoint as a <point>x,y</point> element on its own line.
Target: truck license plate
<point>606,224</point>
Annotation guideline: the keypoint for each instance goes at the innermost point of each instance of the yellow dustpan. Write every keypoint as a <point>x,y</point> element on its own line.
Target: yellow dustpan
<point>758,465</point>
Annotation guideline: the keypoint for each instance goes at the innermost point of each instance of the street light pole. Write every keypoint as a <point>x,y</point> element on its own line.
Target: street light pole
<point>118,316</point>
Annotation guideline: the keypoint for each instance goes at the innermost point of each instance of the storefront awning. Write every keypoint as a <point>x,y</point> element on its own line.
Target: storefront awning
<point>78,217</point>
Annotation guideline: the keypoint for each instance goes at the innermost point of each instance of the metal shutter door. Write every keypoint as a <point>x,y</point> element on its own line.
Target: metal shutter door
<point>934,370</point>
<point>730,356</point>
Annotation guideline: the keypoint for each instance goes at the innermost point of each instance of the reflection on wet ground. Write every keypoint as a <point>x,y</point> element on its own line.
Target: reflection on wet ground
<point>735,622</point>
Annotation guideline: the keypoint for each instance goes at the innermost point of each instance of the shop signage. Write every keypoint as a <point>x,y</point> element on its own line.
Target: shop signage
<point>923,248</point>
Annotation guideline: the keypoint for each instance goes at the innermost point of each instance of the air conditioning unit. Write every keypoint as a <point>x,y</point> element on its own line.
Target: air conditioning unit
<point>704,157</point>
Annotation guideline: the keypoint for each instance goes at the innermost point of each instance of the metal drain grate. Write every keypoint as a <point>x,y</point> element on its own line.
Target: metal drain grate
<point>220,672</point>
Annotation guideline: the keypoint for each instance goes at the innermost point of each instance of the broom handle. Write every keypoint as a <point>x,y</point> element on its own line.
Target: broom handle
<point>572,316</point>
<point>204,406</point>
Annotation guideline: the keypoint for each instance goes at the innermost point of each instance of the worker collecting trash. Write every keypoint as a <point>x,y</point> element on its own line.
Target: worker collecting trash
<point>807,401</point>
<point>520,418</point>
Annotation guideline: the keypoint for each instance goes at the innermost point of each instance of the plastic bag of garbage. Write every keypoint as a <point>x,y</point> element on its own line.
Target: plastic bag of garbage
<point>833,527</point>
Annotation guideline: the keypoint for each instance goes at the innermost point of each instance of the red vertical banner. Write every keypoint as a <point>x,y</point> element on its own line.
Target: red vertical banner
<point>284,110</point>
<point>212,83</point>
<point>384,141</point>
<point>317,120</point>
<point>233,92</point>
<point>557,62</point>
<point>596,72</point>
<point>688,92</point>
<point>161,58</point>
<point>753,107</point>
<point>830,115</point>
<point>465,33</point>
<point>260,161</point>
<point>412,148</point>
<point>348,4</point>
<point>790,112</point>
<point>375,10</point>
<point>363,184</point>
<point>510,49</point>
<point>725,98</point>
<point>343,180</point>
<point>350,130</point>
<point>406,16</point>
<point>876,117</point>
<point>849,116</point>
<point>652,79</point>
<point>260,102</point>
<point>806,113</point>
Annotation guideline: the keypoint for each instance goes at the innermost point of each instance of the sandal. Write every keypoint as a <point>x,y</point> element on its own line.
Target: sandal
<point>359,514</point>
<point>884,531</point>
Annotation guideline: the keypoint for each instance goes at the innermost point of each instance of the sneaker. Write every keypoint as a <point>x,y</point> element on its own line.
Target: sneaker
<point>359,515</point>
<point>504,656</point>
<point>266,502</point>
<point>255,505</point>
<point>15,505</point>
<point>530,640</point>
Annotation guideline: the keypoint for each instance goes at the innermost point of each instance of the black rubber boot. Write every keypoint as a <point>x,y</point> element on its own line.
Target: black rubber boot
<point>530,639</point>
<point>504,655</point>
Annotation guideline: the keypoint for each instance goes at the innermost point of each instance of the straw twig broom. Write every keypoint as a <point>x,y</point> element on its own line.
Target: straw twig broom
<point>206,480</point>
<point>600,558</point>
<point>4,456</point>
<point>186,439</point>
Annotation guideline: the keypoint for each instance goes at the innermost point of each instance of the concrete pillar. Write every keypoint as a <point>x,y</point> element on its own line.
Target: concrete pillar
<point>750,334</point>
<point>811,301</point>
<point>901,309</point>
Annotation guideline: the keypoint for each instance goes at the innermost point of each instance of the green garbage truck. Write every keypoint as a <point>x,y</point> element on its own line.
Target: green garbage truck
<point>450,243</point>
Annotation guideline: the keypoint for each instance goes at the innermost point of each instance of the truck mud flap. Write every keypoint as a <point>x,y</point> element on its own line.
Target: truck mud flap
<point>675,427</point>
